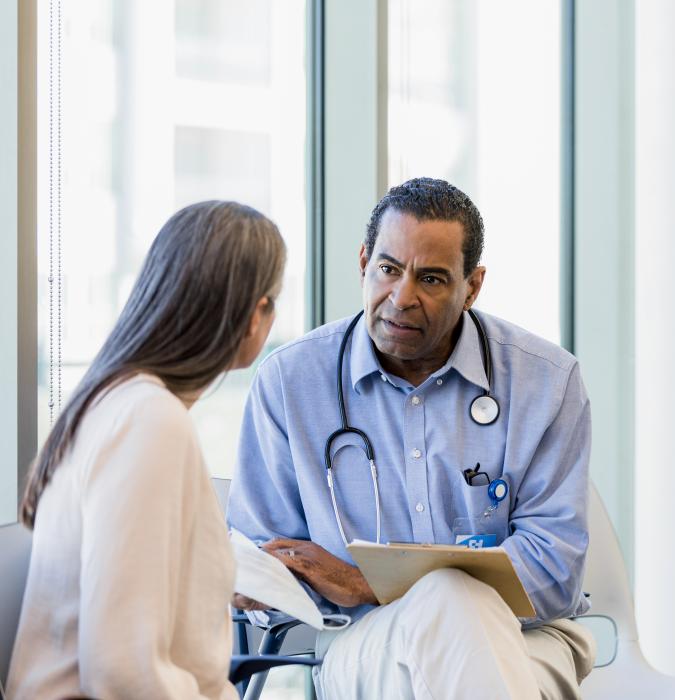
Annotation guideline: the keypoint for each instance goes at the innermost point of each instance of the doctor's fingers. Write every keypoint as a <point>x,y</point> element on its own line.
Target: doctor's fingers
<point>243,602</point>
<point>284,543</point>
<point>294,559</point>
<point>297,555</point>
<point>292,548</point>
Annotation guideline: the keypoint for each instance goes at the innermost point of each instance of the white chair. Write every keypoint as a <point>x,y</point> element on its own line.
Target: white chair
<point>15,544</point>
<point>625,674</point>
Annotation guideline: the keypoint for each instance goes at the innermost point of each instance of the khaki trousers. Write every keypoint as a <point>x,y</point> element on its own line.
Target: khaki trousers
<point>452,636</point>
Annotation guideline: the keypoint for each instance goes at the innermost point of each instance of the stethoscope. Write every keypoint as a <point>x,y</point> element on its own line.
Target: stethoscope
<point>484,410</point>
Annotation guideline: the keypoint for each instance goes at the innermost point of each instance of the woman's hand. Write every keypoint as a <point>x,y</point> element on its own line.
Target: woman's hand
<point>328,575</point>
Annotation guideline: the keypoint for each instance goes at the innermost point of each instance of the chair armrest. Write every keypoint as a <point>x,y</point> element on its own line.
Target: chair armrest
<point>241,618</point>
<point>242,667</point>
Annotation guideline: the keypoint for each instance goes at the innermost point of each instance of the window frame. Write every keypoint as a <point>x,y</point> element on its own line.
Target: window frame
<point>27,377</point>
<point>19,266</point>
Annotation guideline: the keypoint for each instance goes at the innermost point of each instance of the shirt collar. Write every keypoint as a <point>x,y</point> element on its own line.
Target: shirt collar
<point>363,360</point>
<point>466,358</point>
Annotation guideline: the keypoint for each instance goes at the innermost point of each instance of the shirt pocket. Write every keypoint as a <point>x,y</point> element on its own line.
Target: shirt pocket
<point>473,512</point>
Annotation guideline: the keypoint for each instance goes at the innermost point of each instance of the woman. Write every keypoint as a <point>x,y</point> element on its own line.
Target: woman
<point>131,570</point>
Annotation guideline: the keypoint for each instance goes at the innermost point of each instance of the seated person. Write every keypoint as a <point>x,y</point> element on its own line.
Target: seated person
<point>131,572</point>
<point>436,389</point>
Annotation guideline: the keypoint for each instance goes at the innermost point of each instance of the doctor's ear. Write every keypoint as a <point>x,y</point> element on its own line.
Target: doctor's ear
<point>474,283</point>
<point>363,261</point>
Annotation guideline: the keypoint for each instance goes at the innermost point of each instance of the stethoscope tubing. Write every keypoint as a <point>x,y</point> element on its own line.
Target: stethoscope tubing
<point>367,445</point>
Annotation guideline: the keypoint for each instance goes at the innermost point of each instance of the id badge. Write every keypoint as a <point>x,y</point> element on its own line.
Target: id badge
<point>474,532</point>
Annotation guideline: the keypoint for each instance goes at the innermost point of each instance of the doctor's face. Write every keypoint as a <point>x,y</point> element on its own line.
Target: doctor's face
<point>414,292</point>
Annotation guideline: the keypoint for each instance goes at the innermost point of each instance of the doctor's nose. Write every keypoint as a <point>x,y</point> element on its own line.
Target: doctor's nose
<point>403,295</point>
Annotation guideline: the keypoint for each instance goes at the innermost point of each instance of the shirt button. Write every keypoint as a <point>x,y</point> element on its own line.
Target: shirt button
<point>439,382</point>
<point>383,378</point>
<point>419,507</point>
<point>416,401</point>
<point>416,453</point>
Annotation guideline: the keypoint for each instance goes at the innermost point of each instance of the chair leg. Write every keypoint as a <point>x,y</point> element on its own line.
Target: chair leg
<point>310,691</point>
<point>242,639</point>
<point>270,644</point>
<point>242,648</point>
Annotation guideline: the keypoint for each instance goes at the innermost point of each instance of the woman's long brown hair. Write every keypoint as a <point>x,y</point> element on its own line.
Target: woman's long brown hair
<point>185,317</point>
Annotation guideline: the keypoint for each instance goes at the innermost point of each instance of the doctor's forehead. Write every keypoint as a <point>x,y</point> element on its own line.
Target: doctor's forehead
<point>402,234</point>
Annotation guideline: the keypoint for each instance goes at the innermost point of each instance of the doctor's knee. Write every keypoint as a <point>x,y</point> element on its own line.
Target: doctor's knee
<point>441,583</point>
<point>446,591</point>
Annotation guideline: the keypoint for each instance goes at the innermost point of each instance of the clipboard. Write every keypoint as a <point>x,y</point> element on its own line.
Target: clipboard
<point>391,569</point>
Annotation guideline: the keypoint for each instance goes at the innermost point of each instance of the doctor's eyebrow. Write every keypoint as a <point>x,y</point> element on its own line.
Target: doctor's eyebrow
<point>421,270</point>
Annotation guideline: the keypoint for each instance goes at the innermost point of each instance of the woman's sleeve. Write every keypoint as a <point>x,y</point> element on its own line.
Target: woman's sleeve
<point>140,499</point>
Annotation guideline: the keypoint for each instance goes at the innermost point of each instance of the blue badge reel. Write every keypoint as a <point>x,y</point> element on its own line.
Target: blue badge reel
<point>475,532</point>
<point>497,492</point>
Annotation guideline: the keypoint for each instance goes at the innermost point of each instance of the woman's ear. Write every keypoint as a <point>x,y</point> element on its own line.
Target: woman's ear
<point>261,310</point>
<point>258,329</point>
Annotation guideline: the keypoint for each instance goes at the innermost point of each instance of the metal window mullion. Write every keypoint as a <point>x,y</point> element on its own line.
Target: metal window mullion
<point>315,164</point>
<point>567,175</point>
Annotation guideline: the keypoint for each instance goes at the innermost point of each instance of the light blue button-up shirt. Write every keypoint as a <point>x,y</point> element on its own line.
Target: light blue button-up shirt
<point>423,438</point>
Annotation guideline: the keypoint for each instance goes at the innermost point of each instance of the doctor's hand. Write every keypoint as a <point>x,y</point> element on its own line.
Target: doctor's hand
<point>243,603</point>
<point>328,575</point>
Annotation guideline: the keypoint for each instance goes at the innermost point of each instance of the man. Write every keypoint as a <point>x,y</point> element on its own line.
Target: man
<point>412,369</point>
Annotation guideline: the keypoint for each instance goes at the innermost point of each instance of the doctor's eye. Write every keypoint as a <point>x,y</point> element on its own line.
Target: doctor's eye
<point>387,269</point>
<point>432,280</point>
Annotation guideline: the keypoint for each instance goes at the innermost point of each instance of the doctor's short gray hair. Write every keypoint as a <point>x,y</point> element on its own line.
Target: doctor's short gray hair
<point>428,199</point>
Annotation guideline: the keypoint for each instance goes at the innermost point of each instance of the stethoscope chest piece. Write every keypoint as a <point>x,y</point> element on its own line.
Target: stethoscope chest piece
<point>484,409</point>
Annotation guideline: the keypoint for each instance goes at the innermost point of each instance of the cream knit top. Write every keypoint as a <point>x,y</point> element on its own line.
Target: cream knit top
<point>131,571</point>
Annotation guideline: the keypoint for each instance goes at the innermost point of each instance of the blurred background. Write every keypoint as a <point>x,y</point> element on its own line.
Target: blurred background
<point>555,116</point>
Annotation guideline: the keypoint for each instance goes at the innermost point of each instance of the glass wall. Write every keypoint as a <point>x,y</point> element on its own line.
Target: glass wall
<point>164,103</point>
<point>474,98</point>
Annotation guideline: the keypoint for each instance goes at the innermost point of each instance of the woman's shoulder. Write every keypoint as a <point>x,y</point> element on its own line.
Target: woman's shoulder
<point>136,422</point>
<point>144,401</point>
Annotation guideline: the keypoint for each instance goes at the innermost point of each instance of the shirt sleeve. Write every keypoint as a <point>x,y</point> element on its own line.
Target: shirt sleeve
<point>140,498</point>
<point>264,498</point>
<point>548,521</point>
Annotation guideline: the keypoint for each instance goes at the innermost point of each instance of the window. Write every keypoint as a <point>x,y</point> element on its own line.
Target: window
<point>163,104</point>
<point>474,98</point>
